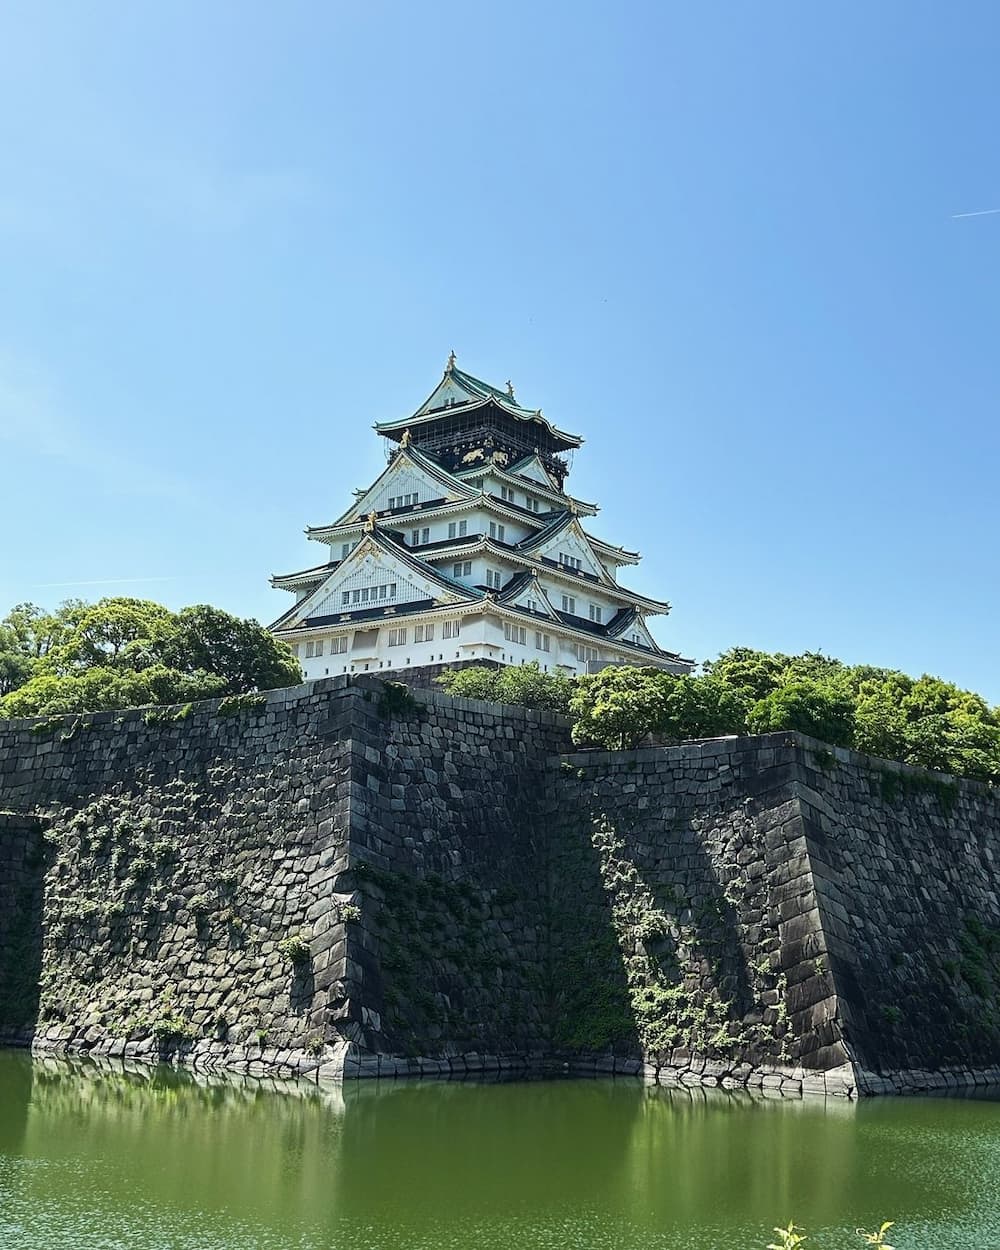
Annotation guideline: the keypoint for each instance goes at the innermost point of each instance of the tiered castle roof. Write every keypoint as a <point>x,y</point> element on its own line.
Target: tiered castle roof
<point>474,480</point>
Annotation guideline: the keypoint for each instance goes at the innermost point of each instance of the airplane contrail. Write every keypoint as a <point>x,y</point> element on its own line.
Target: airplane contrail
<point>983,212</point>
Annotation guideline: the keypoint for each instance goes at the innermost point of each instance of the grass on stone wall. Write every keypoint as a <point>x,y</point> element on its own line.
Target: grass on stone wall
<point>896,787</point>
<point>664,974</point>
<point>116,881</point>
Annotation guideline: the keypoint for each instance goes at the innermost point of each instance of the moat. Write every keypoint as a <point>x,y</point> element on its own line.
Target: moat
<point>104,1158</point>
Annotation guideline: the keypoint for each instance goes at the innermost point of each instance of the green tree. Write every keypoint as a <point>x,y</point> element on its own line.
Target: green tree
<point>104,689</point>
<point>112,633</point>
<point>807,706</point>
<point>475,682</point>
<point>755,673</point>
<point>123,652</point>
<point>618,707</point>
<point>32,632</point>
<point>702,707</point>
<point>522,684</point>
<point>242,652</point>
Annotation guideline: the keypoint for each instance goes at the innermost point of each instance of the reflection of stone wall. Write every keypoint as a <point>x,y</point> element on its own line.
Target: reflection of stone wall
<point>347,876</point>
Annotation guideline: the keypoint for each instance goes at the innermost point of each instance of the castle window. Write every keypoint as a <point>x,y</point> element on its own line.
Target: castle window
<point>369,594</point>
<point>595,612</point>
<point>532,504</point>
<point>397,637</point>
<point>515,633</point>
<point>542,642</point>
<point>423,633</point>
<point>497,531</point>
<point>451,629</point>
<point>569,604</point>
<point>584,653</point>
<point>294,649</point>
<point>506,492</point>
<point>569,562</point>
<point>314,649</point>
<point>420,536</point>
<point>338,646</point>
<point>494,579</point>
<point>463,568</point>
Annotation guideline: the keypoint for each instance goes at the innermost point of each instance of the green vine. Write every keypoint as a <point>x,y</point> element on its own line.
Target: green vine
<point>240,704</point>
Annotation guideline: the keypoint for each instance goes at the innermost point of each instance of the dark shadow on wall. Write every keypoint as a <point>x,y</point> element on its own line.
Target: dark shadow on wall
<point>657,912</point>
<point>22,897</point>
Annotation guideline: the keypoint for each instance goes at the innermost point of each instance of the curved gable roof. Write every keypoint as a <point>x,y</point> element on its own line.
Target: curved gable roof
<point>404,456</point>
<point>460,392</point>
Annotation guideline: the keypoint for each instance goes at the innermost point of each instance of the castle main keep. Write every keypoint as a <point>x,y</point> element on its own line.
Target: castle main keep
<point>468,547</point>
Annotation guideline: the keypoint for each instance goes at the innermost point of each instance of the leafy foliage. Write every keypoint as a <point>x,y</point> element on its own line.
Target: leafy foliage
<point>122,652</point>
<point>618,707</point>
<point>923,721</point>
<point>524,685</point>
<point>808,706</point>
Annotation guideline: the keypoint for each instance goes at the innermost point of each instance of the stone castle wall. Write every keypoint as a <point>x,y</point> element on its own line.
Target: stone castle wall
<point>356,878</point>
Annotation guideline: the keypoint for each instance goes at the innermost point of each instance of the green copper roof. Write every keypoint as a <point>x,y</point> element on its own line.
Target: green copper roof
<point>458,391</point>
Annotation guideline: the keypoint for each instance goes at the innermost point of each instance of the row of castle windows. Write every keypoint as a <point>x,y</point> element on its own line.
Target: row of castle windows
<point>423,633</point>
<point>518,634</point>
<point>397,638</point>
<point>403,501</point>
<point>368,594</point>
<point>451,629</point>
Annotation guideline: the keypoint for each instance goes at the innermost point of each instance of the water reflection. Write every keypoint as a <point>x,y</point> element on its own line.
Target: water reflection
<point>100,1155</point>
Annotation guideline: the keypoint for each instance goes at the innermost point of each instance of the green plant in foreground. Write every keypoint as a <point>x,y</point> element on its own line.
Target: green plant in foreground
<point>877,1239</point>
<point>789,1238</point>
<point>793,1236</point>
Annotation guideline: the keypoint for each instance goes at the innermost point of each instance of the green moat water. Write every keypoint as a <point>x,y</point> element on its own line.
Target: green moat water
<point>96,1159</point>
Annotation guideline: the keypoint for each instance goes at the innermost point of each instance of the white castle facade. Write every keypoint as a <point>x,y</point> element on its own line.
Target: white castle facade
<point>468,548</point>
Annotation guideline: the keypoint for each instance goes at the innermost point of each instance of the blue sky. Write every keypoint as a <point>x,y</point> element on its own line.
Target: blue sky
<point>718,240</point>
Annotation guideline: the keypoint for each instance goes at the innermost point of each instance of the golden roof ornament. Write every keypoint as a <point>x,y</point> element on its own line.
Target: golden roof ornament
<point>510,388</point>
<point>370,523</point>
<point>451,362</point>
<point>405,440</point>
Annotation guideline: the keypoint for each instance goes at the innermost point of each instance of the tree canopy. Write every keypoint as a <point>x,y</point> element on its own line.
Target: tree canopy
<point>122,652</point>
<point>920,720</point>
<point>524,685</point>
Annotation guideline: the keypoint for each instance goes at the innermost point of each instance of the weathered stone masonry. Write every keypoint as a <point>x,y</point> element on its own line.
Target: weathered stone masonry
<point>350,878</point>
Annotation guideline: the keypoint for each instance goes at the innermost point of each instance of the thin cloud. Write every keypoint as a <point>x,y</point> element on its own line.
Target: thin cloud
<point>983,212</point>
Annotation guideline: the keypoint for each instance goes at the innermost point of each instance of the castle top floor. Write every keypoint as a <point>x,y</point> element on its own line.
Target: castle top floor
<point>465,423</point>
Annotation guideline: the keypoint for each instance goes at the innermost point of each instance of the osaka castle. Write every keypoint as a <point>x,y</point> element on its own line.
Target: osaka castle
<point>469,548</point>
